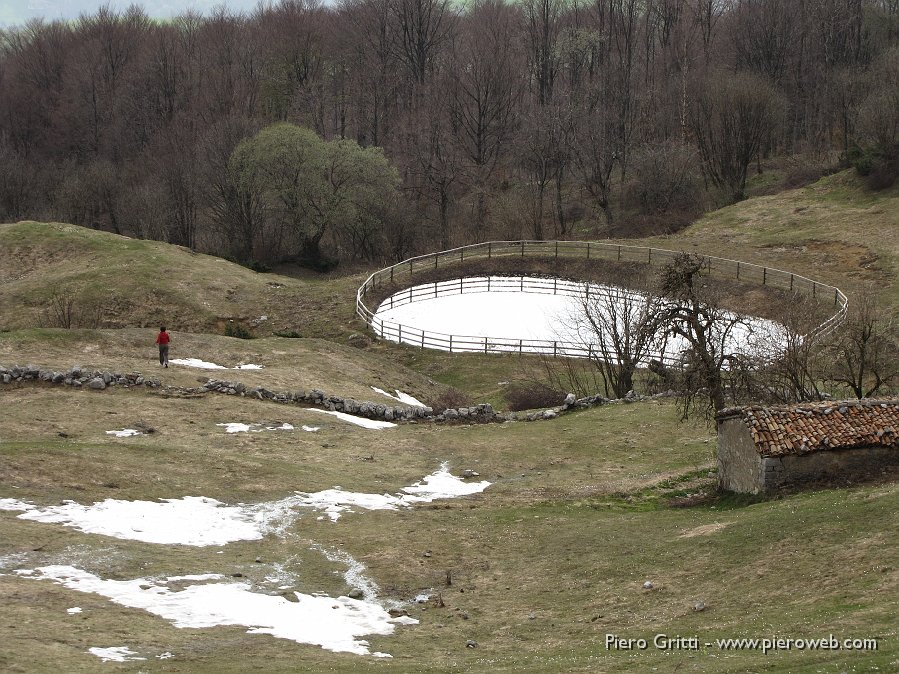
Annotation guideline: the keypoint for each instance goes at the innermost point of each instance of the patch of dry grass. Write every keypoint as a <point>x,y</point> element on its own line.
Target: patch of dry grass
<point>289,364</point>
<point>534,544</point>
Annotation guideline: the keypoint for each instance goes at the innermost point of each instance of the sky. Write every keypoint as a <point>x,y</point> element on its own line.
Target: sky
<point>18,12</point>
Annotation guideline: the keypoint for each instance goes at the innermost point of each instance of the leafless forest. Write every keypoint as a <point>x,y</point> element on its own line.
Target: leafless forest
<point>534,119</point>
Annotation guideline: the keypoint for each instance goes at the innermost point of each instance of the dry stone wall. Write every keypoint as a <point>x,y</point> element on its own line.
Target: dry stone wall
<point>78,377</point>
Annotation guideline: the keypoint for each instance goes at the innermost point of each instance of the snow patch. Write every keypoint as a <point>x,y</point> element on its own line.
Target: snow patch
<point>114,654</point>
<point>201,521</point>
<point>399,397</point>
<point>237,427</point>
<point>196,362</point>
<point>442,484</point>
<point>336,624</point>
<point>73,610</point>
<point>311,429</point>
<point>438,485</point>
<point>124,433</point>
<point>192,520</point>
<point>206,365</point>
<point>14,504</point>
<point>358,421</point>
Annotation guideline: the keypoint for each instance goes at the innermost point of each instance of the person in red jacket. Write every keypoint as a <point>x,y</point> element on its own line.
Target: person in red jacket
<point>162,339</point>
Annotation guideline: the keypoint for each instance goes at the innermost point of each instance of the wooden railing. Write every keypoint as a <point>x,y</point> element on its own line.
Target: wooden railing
<point>404,272</point>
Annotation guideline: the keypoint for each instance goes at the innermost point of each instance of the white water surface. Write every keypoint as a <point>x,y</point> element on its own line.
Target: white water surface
<point>336,624</point>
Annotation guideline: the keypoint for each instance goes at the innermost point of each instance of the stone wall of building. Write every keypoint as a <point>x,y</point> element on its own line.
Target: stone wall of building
<point>830,465</point>
<point>739,463</point>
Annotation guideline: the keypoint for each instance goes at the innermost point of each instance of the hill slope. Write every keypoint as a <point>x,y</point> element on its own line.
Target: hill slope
<point>834,230</point>
<point>131,282</point>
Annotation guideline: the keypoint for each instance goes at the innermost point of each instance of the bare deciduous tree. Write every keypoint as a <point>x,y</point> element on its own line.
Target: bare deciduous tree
<point>864,355</point>
<point>690,311</point>
<point>731,116</point>
<point>622,332</point>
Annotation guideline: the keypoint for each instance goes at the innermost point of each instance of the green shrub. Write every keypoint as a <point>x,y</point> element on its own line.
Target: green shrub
<point>233,329</point>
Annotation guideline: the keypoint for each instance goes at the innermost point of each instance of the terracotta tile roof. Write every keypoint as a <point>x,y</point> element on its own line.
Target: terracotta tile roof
<point>813,427</point>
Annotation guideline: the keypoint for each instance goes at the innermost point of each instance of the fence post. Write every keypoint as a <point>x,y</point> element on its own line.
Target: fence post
<point>522,249</point>
<point>461,287</point>
<point>436,256</point>
<point>814,288</point>
<point>619,253</point>
<point>557,250</point>
<point>649,261</point>
<point>435,288</point>
<point>488,284</point>
<point>485,345</point>
<point>399,337</point>
<point>451,343</point>
<point>791,282</point>
<point>588,250</point>
<point>422,339</point>
<point>835,300</point>
<point>462,254</point>
<point>391,275</point>
<point>520,346</point>
<point>555,285</point>
<point>554,349</point>
<point>764,275</point>
<point>738,271</point>
<point>490,250</point>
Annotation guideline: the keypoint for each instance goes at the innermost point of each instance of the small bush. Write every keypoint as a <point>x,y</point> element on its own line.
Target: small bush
<point>879,165</point>
<point>233,329</point>
<point>529,395</point>
<point>258,266</point>
<point>290,334</point>
<point>68,309</point>
<point>665,178</point>
<point>452,398</point>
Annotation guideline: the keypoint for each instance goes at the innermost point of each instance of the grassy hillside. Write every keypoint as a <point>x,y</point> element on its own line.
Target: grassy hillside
<point>834,230</point>
<point>545,563</point>
<point>289,364</point>
<point>538,569</point>
<point>145,283</point>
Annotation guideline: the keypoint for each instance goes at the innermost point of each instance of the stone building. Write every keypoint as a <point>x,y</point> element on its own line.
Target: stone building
<point>761,449</point>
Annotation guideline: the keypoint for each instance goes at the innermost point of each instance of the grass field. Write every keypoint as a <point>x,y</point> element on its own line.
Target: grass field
<point>537,570</point>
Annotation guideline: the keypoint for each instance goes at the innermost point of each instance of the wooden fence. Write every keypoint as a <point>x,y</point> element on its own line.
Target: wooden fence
<point>404,272</point>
